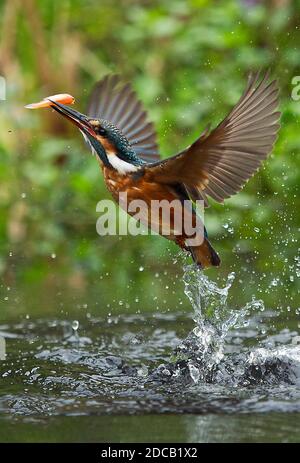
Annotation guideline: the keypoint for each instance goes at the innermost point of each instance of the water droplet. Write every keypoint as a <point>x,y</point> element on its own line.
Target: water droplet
<point>143,371</point>
<point>194,373</point>
<point>75,325</point>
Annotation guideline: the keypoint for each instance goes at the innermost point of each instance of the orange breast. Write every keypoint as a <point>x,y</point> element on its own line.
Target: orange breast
<point>135,187</point>
<point>115,182</point>
<point>143,198</point>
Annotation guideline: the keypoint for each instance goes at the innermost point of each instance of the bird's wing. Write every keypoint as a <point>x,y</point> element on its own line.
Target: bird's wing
<point>220,162</point>
<point>118,103</point>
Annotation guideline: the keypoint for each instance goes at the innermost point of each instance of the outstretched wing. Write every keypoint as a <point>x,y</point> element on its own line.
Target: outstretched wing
<point>219,163</point>
<point>118,103</point>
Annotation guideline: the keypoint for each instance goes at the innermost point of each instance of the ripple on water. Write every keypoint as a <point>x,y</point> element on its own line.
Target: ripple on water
<point>140,364</point>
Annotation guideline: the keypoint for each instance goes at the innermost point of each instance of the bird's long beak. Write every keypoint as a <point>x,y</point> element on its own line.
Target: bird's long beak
<point>80,120</point>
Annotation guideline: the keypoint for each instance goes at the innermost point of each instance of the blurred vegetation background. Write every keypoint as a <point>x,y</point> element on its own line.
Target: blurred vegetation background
<point>189,62</point>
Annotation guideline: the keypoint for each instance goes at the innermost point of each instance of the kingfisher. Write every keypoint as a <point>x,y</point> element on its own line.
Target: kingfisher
<point>216,165</point>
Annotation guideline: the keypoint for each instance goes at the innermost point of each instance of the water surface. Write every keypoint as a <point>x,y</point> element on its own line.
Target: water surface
<point>216,375</point>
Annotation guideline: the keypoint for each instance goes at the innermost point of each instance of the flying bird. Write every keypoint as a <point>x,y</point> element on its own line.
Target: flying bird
<point>217,165</point>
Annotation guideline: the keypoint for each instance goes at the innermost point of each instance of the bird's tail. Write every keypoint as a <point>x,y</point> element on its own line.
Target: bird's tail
<point>204,255</point>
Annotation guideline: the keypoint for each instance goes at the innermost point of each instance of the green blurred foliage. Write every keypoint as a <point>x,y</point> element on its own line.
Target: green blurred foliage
<point>189,63</point>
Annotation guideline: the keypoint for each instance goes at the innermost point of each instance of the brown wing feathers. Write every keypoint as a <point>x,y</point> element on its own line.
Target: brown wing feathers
<point>219,164</point>
<point>118,103</point>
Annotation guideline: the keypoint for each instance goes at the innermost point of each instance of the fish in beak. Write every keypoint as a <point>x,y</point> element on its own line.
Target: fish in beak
<point>59,104</point>
<point>64,98</point>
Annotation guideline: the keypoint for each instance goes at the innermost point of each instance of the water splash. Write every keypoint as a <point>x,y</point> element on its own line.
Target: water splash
<point>205,344</point>
<point>208,300</point>
<point>72,335</point>
<point>112,375</point>
<point>202,356</point>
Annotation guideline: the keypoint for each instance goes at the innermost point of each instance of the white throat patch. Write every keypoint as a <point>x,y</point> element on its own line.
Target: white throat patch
<point>121,166</point>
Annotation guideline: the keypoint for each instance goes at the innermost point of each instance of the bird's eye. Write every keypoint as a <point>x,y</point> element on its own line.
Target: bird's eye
<point>102,131</point>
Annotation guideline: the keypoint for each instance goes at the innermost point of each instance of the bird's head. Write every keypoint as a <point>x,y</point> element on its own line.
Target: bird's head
<point>104,139</point>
